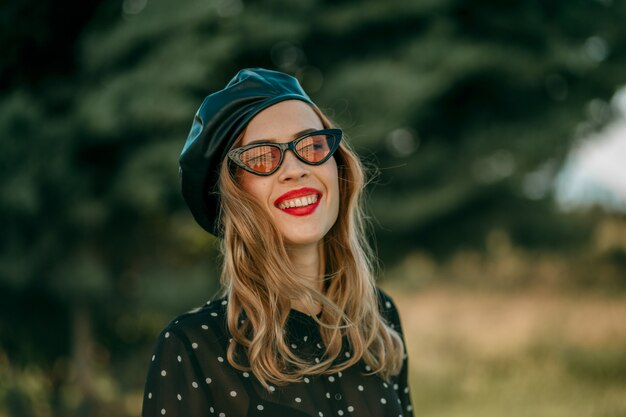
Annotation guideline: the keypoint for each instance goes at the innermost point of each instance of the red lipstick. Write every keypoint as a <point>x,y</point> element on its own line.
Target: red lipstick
<point>301,192</point>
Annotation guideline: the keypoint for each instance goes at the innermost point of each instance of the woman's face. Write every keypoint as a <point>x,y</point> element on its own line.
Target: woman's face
<point>283,122</point>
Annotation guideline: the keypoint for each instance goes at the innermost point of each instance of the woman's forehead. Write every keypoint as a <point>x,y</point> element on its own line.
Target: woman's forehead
<point>281,122</point>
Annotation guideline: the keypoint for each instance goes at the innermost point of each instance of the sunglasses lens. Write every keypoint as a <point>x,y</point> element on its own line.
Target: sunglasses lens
<point>262,158</point>
<point>315,148</point>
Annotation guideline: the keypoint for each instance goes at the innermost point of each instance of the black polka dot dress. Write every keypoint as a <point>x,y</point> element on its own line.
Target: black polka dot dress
<point>189,375</point>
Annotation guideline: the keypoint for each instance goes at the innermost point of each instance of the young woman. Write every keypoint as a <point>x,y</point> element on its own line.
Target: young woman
<point>300,328</point>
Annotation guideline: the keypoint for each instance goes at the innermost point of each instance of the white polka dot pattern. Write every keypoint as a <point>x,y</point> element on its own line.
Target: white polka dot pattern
<point>193,349</point>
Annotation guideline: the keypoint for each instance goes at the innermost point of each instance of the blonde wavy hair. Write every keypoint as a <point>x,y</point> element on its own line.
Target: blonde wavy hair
<point>260,282</point>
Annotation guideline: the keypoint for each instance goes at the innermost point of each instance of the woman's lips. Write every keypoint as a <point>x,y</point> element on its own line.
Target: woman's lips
<point>302,211</point>
<point>307,198</point>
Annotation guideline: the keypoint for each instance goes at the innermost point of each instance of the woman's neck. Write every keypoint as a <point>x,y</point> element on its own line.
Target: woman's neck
<point>309,261</point>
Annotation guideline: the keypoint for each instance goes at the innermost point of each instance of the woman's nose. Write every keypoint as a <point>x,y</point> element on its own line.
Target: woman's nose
<point>292,168</point>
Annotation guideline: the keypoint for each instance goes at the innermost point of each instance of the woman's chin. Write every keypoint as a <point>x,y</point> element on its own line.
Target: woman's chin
<point>301,243</point>
<point>302,239</point>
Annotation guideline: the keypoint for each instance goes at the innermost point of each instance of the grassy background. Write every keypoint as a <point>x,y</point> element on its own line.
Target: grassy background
<point>534,352</point>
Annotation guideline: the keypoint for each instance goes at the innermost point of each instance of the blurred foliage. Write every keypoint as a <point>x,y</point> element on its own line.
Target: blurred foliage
<point>464,110</point>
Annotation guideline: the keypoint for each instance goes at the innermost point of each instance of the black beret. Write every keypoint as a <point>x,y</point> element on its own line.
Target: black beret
<point>218,122</point>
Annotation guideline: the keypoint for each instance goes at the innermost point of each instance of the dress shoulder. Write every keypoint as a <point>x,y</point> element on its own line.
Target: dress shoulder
<point>388,309</point>
<point>208,317</point>
<point>202,329</point>
<point>188,362</point>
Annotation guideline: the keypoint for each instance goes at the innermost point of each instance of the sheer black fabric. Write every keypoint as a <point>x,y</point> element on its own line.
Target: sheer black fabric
<point>189,375</point>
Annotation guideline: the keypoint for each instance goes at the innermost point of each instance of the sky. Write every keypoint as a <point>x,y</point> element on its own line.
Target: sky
<point>595,170</point>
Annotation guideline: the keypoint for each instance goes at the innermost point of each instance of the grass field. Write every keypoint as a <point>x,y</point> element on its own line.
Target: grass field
<point>526,354</point>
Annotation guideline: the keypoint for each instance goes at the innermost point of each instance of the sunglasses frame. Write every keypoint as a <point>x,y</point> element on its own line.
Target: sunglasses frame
<point>234,154</point>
